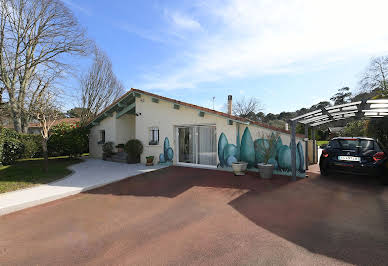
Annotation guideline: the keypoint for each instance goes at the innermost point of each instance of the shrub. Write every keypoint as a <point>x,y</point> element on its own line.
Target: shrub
<point>107,149</point>
<point>12,150</point>
<point>134,148</point>
<point>32,145</point>
<point>378,129</point>
<point>357,128</point>
<point>10,146</point>
<point>65,139</point>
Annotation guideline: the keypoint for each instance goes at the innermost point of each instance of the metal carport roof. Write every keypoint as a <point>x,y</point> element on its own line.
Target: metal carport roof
<point>372,108</point>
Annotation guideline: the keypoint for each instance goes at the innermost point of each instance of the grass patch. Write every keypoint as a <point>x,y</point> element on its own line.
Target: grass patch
<point>321,142</point>
<point>28,173</point>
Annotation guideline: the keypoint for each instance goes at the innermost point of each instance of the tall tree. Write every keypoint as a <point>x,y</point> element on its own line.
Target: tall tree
<point>247,108</point>
<point>342,96</point>
<point>36,38</point>
<point>75,112</point>
<point>99,87</point>
<point>376,76</point>
<point>45,110</point>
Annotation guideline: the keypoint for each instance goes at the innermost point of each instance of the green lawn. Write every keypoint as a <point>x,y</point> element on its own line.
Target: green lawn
<point>28,173</point>
<point>320,142</point>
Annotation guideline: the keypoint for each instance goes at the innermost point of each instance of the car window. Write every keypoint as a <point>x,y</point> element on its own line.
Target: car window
<point>333,144</point>
<point>352,144</point>
<point>366,145</point>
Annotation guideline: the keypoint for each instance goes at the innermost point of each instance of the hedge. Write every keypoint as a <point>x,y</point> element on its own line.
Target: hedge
<point>70,140</point>
<point>67,140</point>
<point>32,145</point>
<point>12,146</point>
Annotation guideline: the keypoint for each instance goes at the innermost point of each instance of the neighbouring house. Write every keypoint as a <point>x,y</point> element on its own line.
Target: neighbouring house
<point>34,128</point>
<point>181,133</point>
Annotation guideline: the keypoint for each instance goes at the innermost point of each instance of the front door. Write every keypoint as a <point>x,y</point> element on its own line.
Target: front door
<point>197,145</point>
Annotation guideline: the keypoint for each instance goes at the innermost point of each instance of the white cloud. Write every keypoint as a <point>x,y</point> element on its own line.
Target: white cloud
<point>252,38</point>
<point>182,21</point>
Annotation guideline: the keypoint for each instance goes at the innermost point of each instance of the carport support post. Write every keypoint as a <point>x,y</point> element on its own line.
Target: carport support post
<point>306,135</point>
<point>293,150</point>
<point>314,148</point>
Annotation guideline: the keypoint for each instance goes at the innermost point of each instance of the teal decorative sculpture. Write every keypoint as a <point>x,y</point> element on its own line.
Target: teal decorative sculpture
<point>247,152</point>
<point>168,153</point>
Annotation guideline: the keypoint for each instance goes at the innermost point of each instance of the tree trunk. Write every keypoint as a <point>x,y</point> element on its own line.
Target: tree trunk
<point>45,155</point>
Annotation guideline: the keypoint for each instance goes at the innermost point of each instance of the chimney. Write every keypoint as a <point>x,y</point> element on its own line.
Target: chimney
<point>229,104</point>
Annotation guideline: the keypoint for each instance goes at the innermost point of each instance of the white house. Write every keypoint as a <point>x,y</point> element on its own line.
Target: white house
<point>183,133</point>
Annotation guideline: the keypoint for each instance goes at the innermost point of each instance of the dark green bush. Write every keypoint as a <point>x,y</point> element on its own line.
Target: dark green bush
<point>134,148</point>
<point>32,145</point>
<point>107,149</point>
<point>11,147</point>
<point>71,140</point>
<point>378,128</point>
<point>12,150</point>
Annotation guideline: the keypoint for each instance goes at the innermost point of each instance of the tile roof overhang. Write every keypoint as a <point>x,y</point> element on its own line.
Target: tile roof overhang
<point>129,98</point>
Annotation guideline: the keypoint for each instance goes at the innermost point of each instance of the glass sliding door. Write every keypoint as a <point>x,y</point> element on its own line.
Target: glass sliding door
<point>207,145</point>
<point>197,145</point>
<point>187,148</point>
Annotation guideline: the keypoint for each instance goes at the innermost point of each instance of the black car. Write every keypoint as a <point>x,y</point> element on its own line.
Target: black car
<point>352,155</point>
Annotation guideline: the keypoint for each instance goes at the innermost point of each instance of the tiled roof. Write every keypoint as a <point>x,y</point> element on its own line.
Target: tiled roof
<point>215,112</point>
<point>233,117</point>
<point>72,120</point>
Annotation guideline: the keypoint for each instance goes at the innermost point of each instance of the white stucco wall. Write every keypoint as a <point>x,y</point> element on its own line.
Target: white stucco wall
<point>166,118</point>
<point>116,130</point>
<point>125,128</point>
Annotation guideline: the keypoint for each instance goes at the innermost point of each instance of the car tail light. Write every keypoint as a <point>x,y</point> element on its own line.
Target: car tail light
<point>379,156</point>
<point>325,153</point>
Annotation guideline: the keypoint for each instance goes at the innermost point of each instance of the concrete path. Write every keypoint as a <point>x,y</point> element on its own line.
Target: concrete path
<point>87,175</point>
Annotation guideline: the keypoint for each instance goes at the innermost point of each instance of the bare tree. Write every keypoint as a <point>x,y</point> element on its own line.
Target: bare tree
<point>99,87</point>
<point>36,37</point>
<point>247,108</point>
<point>376,76</point>
<point>45,110</point>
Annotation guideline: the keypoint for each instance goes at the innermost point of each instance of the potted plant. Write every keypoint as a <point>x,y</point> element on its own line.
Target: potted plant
<point>239,168</point>
<point>134,148</point>
<point>150,160</point>
<point>120,147</point>
<point>268,149</point>
<point>107,150</point>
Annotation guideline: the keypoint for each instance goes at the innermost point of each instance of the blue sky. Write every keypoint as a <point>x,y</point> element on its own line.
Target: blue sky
<point>289,54</point>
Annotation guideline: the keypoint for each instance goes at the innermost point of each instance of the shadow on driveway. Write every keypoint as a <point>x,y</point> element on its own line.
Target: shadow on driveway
<point>344,217</point>
<point>196,216</point>
<point>173,181</point>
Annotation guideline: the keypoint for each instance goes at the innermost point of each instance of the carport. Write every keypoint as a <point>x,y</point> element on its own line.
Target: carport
<point>371,108</point>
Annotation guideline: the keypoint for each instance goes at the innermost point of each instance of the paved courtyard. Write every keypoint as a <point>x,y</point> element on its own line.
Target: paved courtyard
<point>89,174</point>
<point>182,216</point>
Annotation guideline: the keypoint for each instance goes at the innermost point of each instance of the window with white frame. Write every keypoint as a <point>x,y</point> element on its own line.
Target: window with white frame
<point>153,136</point>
